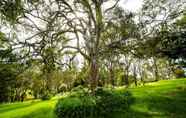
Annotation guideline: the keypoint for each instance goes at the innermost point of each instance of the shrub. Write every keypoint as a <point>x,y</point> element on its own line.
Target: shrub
<point>179,73</point>
<point>46,96</point>
<point>77,105</point>
<point>109,101</point>
<point>80,104</point>
<point>79,91</point>
<point>74,107</point>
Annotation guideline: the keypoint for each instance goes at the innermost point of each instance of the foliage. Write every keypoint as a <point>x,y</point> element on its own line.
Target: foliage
<point>79,104</point>
<point>110,40</point>
<point>83,105</point>
<point>173,44</point>
<point>11,10</point>
<point>180,73</point>
<point>152,100</point>
<point>112,102</point>
<point>46,96</point>
<point>7,82</point>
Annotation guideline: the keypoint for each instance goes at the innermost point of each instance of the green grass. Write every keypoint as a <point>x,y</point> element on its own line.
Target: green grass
<point>31,109</point>
<point>163,99</point>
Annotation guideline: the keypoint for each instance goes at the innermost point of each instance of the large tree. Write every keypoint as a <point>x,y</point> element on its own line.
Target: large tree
<point>61,26</point>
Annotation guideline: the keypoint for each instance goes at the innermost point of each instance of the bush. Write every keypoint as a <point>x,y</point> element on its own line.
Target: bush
<point>74,107</point>
<point>179,73</point>
<point>84,105</point>
<point>79,91</point>
<point>109,101</point>
<point>77,105</point>
<point>46,96</point>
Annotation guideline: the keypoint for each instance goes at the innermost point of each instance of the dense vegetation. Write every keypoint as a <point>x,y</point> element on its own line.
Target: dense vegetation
<point>89,48</point>
<point>81,105</point>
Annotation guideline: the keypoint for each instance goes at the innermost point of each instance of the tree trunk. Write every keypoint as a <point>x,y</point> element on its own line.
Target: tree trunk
<point>126,79</point>
<point>156,70</point>
<point>141,78</point>
<point>135,77</point>
<point>135,80</point>
<point>93,74</point>
<point>111,74</point>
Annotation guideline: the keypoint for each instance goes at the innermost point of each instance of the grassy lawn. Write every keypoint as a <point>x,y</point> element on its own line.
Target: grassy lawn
<point>163,99</point>
<point>30,109</point>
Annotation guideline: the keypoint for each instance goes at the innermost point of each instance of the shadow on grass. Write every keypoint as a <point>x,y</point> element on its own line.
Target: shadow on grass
<point>169,105</point>
<point>173,104</point>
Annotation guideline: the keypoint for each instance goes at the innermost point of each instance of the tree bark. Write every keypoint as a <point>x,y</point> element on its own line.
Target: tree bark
<point>135,81</point>
<point>126,79</point>
<point>135,76</point>
<point>156,70</point>
<point>141,77</point>
<point>111,74</point>
<point>93,74</point>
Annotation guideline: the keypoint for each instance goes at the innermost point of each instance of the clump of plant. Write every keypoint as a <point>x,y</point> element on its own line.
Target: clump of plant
<point>179,73</point>
<point>46,96</point>
<point>81,104</point>
<point>109,101</point>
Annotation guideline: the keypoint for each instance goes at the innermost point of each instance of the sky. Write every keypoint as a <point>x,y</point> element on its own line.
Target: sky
<point>131,5</point>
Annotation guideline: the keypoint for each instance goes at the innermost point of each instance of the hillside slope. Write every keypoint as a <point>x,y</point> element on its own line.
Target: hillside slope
<point>163,99</point>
